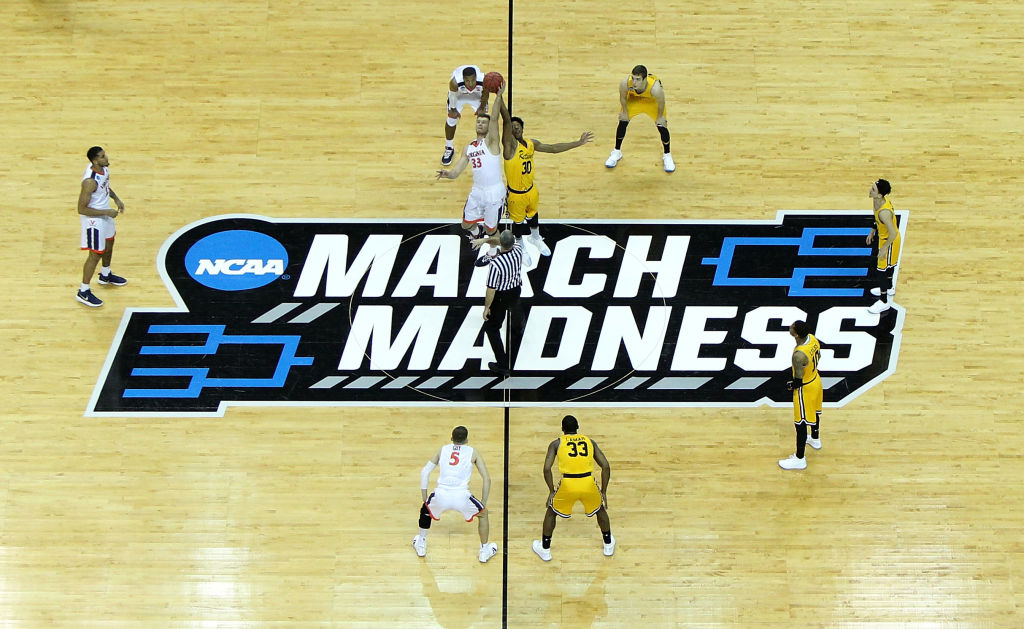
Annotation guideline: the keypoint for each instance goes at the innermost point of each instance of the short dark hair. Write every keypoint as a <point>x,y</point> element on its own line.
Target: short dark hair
<point>519,120</point>
<point>488,116</point>
<point>801,328</point>
<point>641,70</point>
<point>883,187</point>
<point>93,152</point>
<point>459,434</point>
<point>507,239</point>
<point>469,71</point>
<point>569,424</point>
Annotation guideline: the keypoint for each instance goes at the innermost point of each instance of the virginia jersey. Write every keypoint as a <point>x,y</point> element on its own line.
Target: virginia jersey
<point>100,199</point>
<point>519,169</point>
<point>486,167</point>
<point>460,81</point>
<point>883,232</point>
<point>812,349</point>
<point>456,466</point>
<point>575,455</point>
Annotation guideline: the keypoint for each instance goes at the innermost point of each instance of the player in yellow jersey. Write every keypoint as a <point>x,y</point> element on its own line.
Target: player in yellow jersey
<point>642,93</point>
<point>888,239</point>
<point>807,394</point>
<point>576,455</point>
<point>522,195</point>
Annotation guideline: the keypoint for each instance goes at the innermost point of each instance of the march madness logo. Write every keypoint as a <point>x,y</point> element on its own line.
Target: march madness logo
<point>389,312</point>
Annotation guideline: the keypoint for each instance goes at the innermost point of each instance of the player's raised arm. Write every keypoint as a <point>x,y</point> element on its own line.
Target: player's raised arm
<point>508,139</point>
<point>585,137</point>
<point>493,138</point>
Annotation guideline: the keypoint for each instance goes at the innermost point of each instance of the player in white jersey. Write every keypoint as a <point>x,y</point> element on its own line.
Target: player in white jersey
<point>97,219</point>
<point>464,88</point>
<point>456,461</point>
<point>486,201</point>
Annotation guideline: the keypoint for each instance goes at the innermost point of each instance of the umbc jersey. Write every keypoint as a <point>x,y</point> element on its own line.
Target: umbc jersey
<point>575,455</point>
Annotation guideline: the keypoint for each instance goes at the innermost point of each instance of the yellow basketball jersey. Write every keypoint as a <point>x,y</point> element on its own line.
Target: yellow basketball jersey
<point>644,95</point>
<point>575,455</point>
<point>519,169</point>
<point>883,233</point>
<point>812,349</point>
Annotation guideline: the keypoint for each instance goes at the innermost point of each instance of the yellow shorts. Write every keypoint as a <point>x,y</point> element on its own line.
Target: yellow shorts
<point>893,257</point>
<point>571,490</point>
<point>649,106</point>
<point>522,205</point>
<point>807,402</point>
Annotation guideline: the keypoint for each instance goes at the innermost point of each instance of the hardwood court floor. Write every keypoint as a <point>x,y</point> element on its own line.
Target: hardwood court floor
<point>910,514</point>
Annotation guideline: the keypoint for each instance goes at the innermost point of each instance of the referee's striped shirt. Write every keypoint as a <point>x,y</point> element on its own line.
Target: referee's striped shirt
<point>506,268</point>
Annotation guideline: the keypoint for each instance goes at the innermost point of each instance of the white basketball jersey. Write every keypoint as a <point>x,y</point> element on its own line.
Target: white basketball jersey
<point>487,168</point>
<point>100,199</point>
<point>456,466</point>
<point>459,81</point>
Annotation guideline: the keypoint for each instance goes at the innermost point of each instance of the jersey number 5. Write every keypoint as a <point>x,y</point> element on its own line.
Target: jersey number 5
<point>454,460</point>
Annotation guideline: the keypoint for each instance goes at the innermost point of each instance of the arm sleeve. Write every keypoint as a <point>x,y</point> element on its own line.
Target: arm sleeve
<point>425,474</point>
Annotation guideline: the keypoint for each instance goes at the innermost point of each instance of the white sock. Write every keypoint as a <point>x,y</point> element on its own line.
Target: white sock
<point>104,270</point>
<point>449,143</point>
<point>423,533</point>
<point>84,287</point>
<point>535,232</point>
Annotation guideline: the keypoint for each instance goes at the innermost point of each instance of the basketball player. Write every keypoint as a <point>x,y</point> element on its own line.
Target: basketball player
<point>522,196</point>
<point>807,394</point>
<point>456,460</point>
<point>888,245</point>
<point>464,88</point>
<point>576,455</point>
<point>486,201</point>
<point>641,93</point>
<point>97,219</point>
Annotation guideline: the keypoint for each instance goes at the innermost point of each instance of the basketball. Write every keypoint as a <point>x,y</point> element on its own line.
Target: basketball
<point>493,81</point>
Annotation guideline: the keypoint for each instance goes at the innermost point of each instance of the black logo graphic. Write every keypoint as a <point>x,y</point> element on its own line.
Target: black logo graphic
<point>389,312</point>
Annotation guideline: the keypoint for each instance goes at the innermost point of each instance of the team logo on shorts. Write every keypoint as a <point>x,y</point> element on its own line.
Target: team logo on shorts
<point>389,312</point>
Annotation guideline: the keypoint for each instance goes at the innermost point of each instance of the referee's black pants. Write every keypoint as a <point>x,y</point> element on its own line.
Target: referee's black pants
<point>505,301</point>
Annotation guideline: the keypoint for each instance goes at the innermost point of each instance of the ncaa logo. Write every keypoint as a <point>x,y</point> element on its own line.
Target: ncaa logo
<point>238,259</point>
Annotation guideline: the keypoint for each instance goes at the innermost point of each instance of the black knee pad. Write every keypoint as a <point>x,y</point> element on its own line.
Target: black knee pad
<point>533,221</point>
<point>521,229</point>
<point>424,517</point>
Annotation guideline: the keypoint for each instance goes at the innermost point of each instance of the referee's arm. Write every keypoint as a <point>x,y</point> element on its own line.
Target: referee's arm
<point>488,299</point>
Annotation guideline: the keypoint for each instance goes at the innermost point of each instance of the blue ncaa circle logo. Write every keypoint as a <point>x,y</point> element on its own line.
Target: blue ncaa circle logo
<point>238,259</point>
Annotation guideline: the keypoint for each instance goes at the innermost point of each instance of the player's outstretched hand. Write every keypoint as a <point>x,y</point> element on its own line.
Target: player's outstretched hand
<point>476,242</point>
<point>586,136</point>
<point>442,174</point>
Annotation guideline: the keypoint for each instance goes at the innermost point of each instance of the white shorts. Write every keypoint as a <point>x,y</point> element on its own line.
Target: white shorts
<point>458,100</point>
<point>96,231</point>
<point>485,205</point>
<point>461,500</point>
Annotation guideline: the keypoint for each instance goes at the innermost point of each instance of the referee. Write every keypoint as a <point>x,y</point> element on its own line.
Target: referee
<point>504,285</point>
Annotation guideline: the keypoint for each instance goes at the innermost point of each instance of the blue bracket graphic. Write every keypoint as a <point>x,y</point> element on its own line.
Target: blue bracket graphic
<point>214,339</point>
<point>805,247</point>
